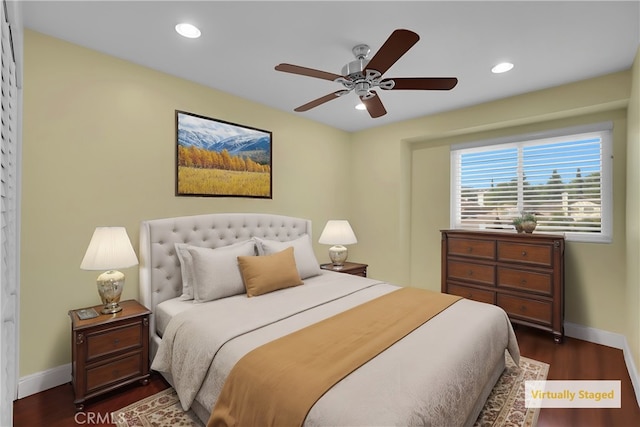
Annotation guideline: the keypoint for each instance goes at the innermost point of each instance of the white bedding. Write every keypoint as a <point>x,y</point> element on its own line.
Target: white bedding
<point>432,377</point>
<point>167,310</point>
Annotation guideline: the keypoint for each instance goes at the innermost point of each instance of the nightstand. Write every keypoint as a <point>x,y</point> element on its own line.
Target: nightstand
<point>109,351</point>
<point>349,267</point>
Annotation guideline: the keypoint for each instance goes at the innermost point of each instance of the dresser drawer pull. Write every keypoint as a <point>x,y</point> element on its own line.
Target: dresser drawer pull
<point>470,249</point>
<point>523,281</point>
<point>523,308</point>
<point>116,342</point>
<point>524,253</point>
<point>470,273</point>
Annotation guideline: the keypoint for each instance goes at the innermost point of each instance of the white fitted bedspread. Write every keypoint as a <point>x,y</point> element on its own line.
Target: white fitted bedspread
<point>431,377</point>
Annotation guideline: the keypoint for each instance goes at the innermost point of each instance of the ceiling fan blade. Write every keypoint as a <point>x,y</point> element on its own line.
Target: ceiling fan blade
<point>424,83</point>
<point>319,101</point>
<point>304,71</point>
<point>374,105</point>
<point>398,43</point>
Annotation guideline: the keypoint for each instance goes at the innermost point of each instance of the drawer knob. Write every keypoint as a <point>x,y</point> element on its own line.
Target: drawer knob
<point>470,273</point>
<point>523,281</point>
<point>470,249</point>
<point>523,308</point>
<point>524,253</point>
<point>116,342</point>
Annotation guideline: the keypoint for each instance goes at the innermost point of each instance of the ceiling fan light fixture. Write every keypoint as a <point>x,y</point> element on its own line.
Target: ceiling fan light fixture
<point>502,67</point>
<point>362,88</point>
<point>188,30</point>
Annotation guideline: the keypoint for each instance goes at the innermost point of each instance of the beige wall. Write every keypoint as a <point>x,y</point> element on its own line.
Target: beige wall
<point>414,159</point>
<point>633,214</point>
<point>595,273</point>
<point>99,149</point>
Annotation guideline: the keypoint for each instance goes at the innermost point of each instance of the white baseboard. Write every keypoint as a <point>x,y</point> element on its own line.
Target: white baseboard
<point>41,381</point>
<point>609,339</point>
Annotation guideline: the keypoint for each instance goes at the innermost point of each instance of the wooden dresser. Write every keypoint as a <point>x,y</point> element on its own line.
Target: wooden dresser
<point>522,273</point>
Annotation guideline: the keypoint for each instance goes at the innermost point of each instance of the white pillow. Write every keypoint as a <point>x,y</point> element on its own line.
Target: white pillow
<point>306,261</point>
<point>186,268</point>
<point>215,271</point>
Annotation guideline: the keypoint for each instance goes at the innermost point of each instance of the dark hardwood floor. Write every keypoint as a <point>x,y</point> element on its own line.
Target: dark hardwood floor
<point>572,360</point>
<point>581,360</point>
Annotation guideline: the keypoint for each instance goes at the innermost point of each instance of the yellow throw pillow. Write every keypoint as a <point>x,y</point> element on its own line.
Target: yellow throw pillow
<point>268,273</point>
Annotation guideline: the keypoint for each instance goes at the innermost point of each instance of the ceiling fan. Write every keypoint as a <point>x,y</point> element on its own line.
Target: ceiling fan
<point>363,75</point>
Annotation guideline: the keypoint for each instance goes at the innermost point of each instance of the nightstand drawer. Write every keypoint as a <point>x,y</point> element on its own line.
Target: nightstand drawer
<point>114,340</point>
<point>114,372</point>
<point>541,255</point>
<point>538,282</point>
<point>109,351</point>
<point>479,273</point>
<point>526,309</point>
<point>472,293</point>
<point>484,249</point>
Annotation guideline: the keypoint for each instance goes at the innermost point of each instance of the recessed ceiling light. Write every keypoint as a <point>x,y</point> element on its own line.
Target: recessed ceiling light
<point>502,67</point>
<point>188,30</point>
<point>361,107</point>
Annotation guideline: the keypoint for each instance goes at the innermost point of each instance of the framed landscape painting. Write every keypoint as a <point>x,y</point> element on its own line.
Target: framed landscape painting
<point>221,159</point>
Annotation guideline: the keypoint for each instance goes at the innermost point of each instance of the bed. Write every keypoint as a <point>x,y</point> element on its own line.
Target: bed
<point>439,374</point>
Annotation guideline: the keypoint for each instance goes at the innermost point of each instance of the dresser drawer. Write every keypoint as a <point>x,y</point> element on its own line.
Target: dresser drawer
<point>468,271</point>
<point>483,249</point>
<point>472,293</point>
<point>526,309</point>
<point>113,340</point>
<point>541,283</point>
<point>532,254</point>
<point>114,372</point>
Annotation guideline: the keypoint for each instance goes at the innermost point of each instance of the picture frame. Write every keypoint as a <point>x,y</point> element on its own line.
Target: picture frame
<point>216,158</point>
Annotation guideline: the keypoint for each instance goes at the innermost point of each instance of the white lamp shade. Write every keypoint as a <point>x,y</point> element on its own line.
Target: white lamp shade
<point>109,249</point>
<point>337,232</point>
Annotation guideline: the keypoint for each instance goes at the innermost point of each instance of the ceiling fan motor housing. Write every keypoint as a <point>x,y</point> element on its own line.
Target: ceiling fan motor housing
<point>355,69</point>
<point>357,77</point>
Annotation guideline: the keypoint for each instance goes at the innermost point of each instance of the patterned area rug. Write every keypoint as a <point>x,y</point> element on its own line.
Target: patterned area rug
<point>504,407</point>
<point>505,404</point>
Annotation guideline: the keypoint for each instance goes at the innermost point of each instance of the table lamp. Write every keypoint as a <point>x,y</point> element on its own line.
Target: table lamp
<point>109,249</point>
<point>337,232</point>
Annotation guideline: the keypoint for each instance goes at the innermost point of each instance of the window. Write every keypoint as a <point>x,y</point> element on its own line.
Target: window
<point>562,176</point>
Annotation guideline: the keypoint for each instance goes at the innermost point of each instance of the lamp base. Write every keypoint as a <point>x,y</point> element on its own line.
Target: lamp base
<point>110,286</point>
<point>111,308</point>
<point>338,255</point>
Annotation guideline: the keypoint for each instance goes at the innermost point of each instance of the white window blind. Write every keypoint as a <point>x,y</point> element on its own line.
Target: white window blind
<point>563,177</point>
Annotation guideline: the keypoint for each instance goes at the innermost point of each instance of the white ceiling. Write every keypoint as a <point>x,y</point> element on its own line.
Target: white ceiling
<point>550,43</point>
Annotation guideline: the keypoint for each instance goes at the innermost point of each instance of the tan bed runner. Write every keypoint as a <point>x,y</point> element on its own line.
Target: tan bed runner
<point>277,383</point>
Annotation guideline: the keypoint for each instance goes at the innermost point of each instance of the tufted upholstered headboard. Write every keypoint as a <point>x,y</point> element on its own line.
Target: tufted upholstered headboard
<point>160,277</point>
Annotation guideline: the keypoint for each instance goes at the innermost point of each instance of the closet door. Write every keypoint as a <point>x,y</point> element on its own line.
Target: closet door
<point>9,221</point>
